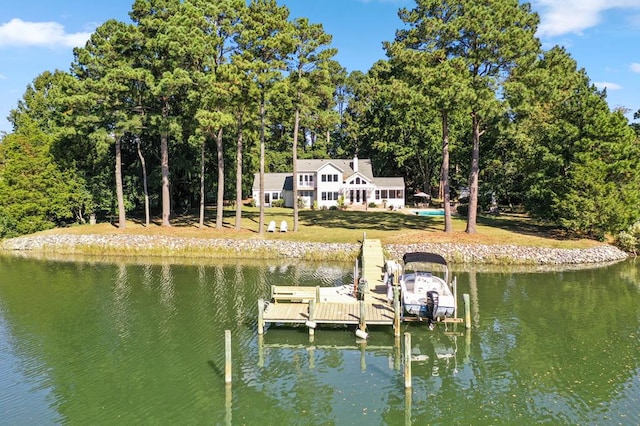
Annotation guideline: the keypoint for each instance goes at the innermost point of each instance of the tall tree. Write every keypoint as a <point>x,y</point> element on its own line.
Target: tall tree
<point>167,78</point>
<point>488,37</point>
<point>310,83</point>
<point>426,54</point>
<point>265,42</point>
<point>105,98</point>
<point>210,40</point>
<point>577,156</point>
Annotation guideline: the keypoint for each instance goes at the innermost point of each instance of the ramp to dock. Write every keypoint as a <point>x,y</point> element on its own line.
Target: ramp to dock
<point>372,265</point>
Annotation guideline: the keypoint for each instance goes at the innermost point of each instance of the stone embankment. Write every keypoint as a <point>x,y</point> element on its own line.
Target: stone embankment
<point>264,248</point>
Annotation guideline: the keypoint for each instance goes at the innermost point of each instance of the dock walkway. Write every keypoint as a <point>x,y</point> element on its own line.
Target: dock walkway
<point>337,305</point>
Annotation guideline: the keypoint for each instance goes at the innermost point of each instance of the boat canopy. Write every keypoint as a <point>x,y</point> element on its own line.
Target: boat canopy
<point>423,257</point>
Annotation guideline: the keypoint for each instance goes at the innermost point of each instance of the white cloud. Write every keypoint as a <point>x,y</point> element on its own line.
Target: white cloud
<point>574,16</point>
<point>3,77</point>
<point>635,67</point>
<point>607,85</point>
<point>48,34</point>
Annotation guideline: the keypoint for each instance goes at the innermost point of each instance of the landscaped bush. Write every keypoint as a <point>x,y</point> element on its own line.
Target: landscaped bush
<point>629,240</point>
<point>278,203</point>
<point>333,208</point>
<point>463,209</point>
<point>373,205</point>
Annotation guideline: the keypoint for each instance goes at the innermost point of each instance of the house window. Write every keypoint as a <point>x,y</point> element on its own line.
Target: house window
<point>384,194</point>
<point>275,196</point>
<point>357,181</point>
<point>267,198</point>
<point>336,196</point>
<point>324,196</point>
<point>377,194</point>
<point>335,178</point>
<point>323,178</point>
<point>363,182</point>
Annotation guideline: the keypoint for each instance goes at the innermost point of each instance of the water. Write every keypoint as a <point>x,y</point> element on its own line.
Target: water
<point>430,212</point>
<point>106,343</point>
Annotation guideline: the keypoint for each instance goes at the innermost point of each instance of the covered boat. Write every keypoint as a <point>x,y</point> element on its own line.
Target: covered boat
<point>425,291</point>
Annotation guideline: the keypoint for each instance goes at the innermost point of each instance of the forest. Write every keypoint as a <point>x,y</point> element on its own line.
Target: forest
<point>177,110</point>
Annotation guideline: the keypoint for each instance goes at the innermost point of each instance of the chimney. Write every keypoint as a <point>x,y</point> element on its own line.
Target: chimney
<point>355,163</point>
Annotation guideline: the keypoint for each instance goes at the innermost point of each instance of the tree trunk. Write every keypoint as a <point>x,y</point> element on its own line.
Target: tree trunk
<point>202,193</point>
<point>144,183</point>
<point>239,176</point>
<point>473,177</point>
<point>444,176</point>
<point>296,125</point>
<point>261,195</point>
<point>119,189</point>
<point>164,166</point>
<point>220,199</point>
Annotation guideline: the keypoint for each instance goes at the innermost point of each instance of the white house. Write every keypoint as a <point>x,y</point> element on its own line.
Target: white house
<point>325,181</point>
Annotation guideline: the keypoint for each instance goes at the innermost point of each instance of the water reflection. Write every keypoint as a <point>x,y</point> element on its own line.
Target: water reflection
<point>82,342</point>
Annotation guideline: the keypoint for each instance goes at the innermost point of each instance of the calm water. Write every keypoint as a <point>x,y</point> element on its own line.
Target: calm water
<point>107,343</point>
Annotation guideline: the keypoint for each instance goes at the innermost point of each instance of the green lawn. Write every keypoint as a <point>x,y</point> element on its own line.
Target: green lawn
<point>349,226</point>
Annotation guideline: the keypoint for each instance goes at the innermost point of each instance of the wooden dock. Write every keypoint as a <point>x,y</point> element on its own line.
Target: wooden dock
<point>336,306</point>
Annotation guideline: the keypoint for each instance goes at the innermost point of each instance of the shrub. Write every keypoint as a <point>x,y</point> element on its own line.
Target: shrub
<point>629,240</point>
<point>333,208</point>
<point>278,203</point>
<point>373,205</point>
<point>463,209</point>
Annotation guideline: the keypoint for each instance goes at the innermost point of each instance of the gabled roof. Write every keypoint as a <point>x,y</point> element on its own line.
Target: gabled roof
<point>344,165</point>
<point>273,181</point>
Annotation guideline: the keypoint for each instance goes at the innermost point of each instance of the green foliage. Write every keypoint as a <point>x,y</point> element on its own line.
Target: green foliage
<point>629,240</point>
<point>35,194</point>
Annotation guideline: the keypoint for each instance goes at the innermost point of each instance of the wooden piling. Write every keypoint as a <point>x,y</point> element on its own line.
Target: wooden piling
<point>227,356</point>
<point>455,297</point>
<point>396,311</point>
<point>260,316</point>
<point>363,323</point>
<point>312,308</point>
<point>407,360</point>
<point>467,311</point>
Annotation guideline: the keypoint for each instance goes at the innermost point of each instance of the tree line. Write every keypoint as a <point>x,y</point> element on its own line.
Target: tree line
<point>184,104</point>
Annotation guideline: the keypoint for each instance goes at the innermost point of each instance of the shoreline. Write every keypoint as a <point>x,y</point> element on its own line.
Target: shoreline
<point>163,246</point>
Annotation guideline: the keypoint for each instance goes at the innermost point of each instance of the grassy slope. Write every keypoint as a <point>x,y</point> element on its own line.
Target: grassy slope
<point>349,226</point>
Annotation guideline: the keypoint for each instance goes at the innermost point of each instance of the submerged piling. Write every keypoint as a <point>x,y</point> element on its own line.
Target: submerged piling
<point>467,311</point>
<point>227,356</point>
<point>407,360</point>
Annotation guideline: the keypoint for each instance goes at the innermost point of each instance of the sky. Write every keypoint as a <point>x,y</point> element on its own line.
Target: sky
<point>603,36</point>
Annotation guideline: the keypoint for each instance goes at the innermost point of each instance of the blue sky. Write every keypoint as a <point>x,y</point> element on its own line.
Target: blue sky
<point>603,36</point>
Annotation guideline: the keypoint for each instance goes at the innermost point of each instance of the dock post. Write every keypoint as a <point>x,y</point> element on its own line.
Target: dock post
<point>363,320</point>
<point>407,360</point>
<point>311,323</point>
<point>362,327</point>
<point>260,316</point>
<point>455,297</point>
<point>227,356</point>
<point>467,311</point>
<point>396,311</point>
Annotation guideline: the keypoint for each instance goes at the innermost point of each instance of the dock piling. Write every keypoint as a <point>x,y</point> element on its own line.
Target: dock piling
<point>407,360</point>
<point>260,316</point>
<point>227,356</point>
<point>467,311</point>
